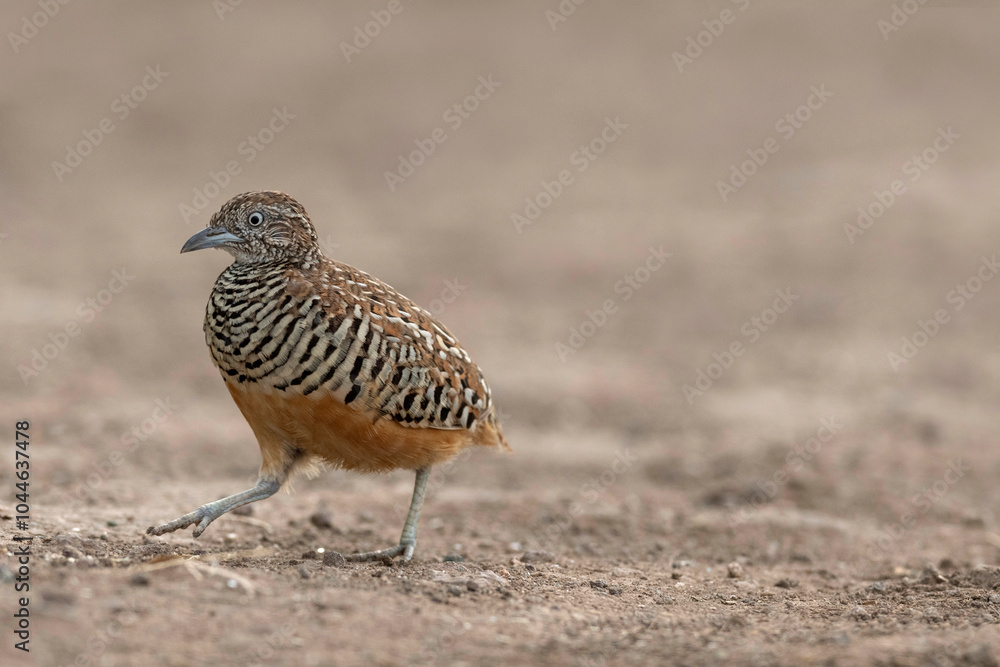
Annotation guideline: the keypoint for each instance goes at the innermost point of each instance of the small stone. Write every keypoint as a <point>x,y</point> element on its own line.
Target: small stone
<point>735,570</point>
<point>112,524</point>
<point>538,556</point>
<point>598,583</point>
<point>139,579</point>
<point>515,547</point>
<point>304,571</point>
<point>321,519</point>
<point>334,559</point>
<point>877,587</point>
<point>931,575</point>
<point>860,613</point>
<point>454,558</point>
<point>473,585</point>
<point>787,583</point>
<point>985,575</point>
<point>456,590</point>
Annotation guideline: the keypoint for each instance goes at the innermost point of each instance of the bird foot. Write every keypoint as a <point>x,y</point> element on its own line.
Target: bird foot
<point>206,514</point>
<point>402,549</point>
<point>202,516</point>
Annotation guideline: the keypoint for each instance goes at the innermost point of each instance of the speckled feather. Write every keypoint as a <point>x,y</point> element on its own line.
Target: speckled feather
<point>286,322</point>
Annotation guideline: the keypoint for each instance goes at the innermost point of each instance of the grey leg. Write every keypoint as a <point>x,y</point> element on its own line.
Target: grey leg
<point>408,540</point>
<point>206,514</point>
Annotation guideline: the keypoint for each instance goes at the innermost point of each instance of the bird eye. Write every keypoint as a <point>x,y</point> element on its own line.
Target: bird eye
<point>256,218</point>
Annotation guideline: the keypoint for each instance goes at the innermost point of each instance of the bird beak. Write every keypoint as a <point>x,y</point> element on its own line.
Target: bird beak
<point>210,237</point>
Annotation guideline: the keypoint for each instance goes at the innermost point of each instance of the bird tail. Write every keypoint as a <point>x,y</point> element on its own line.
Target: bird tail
<point>493,434</point>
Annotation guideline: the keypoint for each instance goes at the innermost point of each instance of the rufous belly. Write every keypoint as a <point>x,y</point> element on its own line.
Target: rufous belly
<point>323,427</point>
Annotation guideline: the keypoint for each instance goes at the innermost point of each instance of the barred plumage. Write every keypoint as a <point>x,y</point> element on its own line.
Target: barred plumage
<point>332,328</point>
<point>328,363</point>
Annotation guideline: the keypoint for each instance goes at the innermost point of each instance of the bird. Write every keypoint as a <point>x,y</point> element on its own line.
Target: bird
<point>330,365</point>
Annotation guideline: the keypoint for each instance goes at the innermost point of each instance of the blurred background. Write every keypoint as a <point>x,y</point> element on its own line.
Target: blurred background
<point>690,236</point>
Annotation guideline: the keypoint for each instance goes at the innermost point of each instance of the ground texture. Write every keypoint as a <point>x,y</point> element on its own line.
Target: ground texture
<point>776,446</point>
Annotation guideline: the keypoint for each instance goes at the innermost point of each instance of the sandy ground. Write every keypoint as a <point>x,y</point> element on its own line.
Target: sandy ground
<point>776,446</point>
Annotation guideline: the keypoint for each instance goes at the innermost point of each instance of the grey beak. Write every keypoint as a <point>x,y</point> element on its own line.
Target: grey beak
<point>210,237</point>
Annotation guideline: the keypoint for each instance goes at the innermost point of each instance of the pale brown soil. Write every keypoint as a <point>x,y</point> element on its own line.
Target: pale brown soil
<point>813,506</point>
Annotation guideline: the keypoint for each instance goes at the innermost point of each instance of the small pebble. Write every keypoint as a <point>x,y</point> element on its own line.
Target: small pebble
<point>538,556</point>
<point>334,559</point>
<point>139,579</point>
<point>321,519</point>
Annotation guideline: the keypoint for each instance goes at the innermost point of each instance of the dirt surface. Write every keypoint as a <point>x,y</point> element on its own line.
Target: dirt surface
<point>775,446</point>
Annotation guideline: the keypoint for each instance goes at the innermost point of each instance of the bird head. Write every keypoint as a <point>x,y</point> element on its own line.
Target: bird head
<point>260,226</point>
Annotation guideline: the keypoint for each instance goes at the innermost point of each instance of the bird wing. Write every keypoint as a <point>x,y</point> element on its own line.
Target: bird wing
<point>382,353</point>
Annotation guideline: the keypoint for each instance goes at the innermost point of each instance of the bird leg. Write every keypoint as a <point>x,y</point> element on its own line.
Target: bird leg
<point>206,514</point>
<point>408,540</point>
